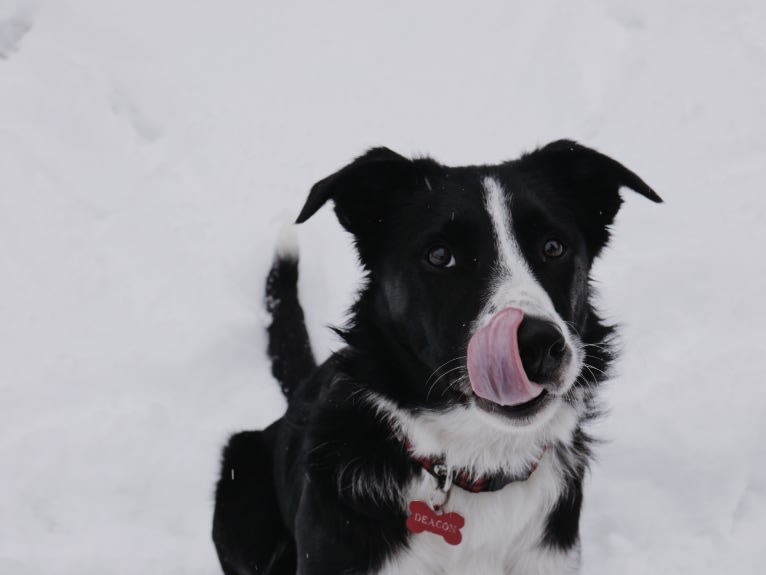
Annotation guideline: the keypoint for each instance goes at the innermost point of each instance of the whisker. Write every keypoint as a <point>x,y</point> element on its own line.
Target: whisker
<point>438,379</point>
<point>597,346</point>
<point>463,378</point>
<point>442,366</point>
<point>589,366</point>
<point>574,328</point>
<point>591,369</point>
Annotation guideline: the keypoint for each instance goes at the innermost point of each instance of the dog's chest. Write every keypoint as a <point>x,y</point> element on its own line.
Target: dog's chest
<point>502,530</point>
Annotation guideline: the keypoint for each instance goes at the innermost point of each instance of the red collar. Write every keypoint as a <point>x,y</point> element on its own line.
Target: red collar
<point>464,479</point>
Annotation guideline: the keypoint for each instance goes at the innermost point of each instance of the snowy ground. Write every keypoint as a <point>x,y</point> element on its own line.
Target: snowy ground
<point>149,151</point>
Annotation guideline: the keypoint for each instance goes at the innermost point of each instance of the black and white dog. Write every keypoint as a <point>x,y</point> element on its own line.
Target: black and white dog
<point>447,436</point>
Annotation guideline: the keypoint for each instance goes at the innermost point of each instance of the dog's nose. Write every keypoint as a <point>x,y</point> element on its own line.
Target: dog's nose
<point>542,348</point>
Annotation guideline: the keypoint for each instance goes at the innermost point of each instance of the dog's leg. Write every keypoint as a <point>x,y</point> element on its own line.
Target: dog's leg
<point>247,527</point>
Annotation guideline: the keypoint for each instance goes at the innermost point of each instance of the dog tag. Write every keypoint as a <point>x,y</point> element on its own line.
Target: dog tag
<point>447,525</point>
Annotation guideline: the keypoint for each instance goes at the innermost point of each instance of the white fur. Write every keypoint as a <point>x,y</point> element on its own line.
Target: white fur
<point>503,529</point>
<point>468,437</point>
<point>287,242</point>
<point>502,532</point>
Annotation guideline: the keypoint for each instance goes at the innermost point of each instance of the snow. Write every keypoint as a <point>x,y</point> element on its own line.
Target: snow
<point>150,152</point>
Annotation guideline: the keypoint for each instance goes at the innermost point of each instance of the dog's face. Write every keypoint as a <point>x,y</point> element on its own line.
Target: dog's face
<point>478,276</point>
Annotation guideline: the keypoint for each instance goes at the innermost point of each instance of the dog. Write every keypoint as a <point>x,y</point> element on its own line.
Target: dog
<point>448,435</point>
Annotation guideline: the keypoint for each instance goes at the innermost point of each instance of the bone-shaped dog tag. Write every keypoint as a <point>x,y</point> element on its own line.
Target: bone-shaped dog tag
<point>423,518</point>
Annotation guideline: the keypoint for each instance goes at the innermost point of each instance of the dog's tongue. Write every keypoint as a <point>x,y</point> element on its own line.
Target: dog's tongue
<point>494,364</point>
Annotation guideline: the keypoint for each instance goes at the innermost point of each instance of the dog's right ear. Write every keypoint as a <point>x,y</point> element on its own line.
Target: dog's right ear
<point>361,190</point>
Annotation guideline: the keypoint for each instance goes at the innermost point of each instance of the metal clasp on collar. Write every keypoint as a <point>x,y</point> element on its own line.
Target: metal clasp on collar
<point>443,475</point>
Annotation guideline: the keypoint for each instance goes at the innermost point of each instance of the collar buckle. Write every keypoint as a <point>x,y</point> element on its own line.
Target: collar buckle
<point>446,476</point>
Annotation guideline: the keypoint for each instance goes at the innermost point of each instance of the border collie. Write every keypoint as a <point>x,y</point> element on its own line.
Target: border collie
<point>447,436</point>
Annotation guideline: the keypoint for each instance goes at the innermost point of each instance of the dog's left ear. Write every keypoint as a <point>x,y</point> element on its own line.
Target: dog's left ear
<point>361,189</point>
<point>593,180</point>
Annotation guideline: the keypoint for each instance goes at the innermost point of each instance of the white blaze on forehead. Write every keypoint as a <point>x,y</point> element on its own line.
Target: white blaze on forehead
<point>514,283</point>
<point>494,199</point>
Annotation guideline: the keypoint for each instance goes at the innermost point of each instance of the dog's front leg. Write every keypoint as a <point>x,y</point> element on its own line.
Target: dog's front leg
<point>350,518</point>
<point>331,538</point>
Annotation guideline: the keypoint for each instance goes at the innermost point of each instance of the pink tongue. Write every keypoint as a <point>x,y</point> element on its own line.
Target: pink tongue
<point>494,363</point>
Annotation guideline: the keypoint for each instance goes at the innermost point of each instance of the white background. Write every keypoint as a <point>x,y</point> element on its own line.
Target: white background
<point>151,149</point>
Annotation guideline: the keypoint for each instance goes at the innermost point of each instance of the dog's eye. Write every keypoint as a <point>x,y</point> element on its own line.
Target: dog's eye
<point>440,257</point>
<point>553,249</point>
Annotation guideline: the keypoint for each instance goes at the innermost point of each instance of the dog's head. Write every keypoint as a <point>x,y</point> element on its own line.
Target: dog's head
<point>478,277</point>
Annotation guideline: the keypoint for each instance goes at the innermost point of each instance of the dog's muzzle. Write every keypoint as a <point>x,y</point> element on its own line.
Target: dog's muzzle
<point>512,357</point>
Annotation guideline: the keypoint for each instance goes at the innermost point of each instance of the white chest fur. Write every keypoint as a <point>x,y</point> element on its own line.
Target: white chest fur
<point>503,531</point>
<point>502,534</point>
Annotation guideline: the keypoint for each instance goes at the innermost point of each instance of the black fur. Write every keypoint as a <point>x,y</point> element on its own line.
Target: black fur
<point>320,491</point>
<point>247,531</point>
<point>289,345</point>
